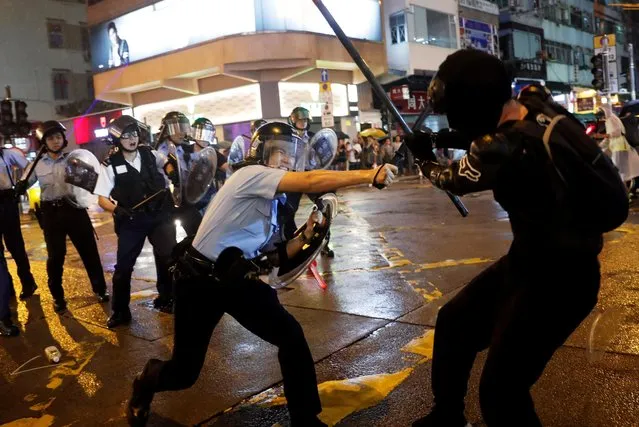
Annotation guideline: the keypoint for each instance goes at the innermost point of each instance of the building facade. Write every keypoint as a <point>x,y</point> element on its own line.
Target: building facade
<point>232,62</point>
<point>45,56</point>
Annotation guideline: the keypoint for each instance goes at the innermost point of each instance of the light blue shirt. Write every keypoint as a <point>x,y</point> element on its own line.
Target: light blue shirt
<point>50,174</point>
<point>242,214</point>
<point>164,149</point>
<point>10,157</point>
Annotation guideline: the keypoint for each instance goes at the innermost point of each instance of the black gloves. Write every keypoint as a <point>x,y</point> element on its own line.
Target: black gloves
<point>21,187</point>
<point>121,212</point>
<point>420,144</point>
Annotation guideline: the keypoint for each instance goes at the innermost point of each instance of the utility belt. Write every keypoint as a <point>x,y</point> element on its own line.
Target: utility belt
<point>230,267</point>
<point>54,204</point>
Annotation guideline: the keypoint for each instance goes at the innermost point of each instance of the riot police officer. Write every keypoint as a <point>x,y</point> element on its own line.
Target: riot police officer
<point>177,129</point>
<point>61,218</point>
<point>134,177</point>
<point>214,275</point>
<point>203,132</point>
<point>10,220</point>
<point>507,308</point>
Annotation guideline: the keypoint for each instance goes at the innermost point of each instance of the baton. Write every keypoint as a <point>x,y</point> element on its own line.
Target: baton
<point>43,150</point>
<point>152,196</point>
<point>377,88</point>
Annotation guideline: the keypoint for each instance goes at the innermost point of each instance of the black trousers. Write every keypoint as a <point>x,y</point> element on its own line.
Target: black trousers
<point>132,233</point>
<point>199,306</point>
<point>12,235</point>
<point>190,218</point>
<point>5,290</point>
<point>522,309</point>
<point>61,221</point>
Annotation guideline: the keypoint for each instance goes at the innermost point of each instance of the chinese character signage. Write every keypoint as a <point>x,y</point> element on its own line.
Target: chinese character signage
<point>414,104</point>
<point>479,35</point>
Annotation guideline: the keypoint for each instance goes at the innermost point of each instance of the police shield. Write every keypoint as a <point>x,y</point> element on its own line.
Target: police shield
<point>177,183</point>
<point>238,150</point>
<point>323,148</point>
<point>81,171</point>
<point>201,176</point>
<point>294,267</point>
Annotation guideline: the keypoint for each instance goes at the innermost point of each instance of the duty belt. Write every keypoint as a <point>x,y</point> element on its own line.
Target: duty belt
<point>58,203</point>
<point>199,261</point>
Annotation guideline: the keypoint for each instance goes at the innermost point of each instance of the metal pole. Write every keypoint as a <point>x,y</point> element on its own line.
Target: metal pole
<point>631,52</point>
<point>377,88</point>
<point>7,91</point>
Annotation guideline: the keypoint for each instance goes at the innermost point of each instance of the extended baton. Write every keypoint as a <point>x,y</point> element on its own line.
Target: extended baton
<point>377,88</point>
<point>148,199</point>
<point>43,150</point>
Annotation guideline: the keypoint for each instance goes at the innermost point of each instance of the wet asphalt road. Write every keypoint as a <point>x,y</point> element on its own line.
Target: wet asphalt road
<point>400,254</point>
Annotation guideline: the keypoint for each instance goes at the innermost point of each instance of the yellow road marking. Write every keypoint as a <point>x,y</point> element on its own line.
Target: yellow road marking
<point>43,421</point>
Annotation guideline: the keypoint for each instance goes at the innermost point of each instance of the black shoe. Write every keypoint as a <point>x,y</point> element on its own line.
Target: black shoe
<point>59,305</point>
<point>307,422</point>
<point>8,329</point>
<point>139,407</point>
<point>119,318</point>
<point>440,419</point>
<point>28,291</point>
<point>328,252</point>
<point>160,302</point>
<point>167,307</point>
<point>103,297</point>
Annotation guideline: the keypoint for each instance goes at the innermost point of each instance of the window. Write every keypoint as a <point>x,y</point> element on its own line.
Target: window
<point>575,17</point>
<point>60,80</point>
<point>55,33</point>
<point>526,44</point>
<point>398,28</point>
<point>587,22</point>
<point>435,28</point>
<point>558,52</point>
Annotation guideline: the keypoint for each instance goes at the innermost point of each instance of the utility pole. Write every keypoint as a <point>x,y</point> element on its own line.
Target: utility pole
<point>631,53</point>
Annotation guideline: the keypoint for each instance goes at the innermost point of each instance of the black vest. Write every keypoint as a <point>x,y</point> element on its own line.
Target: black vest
<point>132,187</point>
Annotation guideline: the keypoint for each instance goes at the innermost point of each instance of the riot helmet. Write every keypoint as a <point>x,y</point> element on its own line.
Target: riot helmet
<point>203,132</point>
<point>256,125</point>
<point>176,126</point>
<point>278,145</point>
<point>124,132</point>
<point>471,88</point>
<point>50,128</point>
<point>300,119</point>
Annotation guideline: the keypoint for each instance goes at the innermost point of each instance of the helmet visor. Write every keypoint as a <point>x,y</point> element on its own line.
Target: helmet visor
<point>206,134</point>
<point>285,154</point>
<point>178,127</point>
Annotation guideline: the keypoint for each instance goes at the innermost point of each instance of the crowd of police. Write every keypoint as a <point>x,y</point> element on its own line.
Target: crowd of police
<point>560,193</point>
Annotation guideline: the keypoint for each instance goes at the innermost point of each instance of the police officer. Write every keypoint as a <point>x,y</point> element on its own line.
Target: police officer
<point>203,132</point>
<point>60,218</point>
<point>7,328</point>
<point>214,276</point>
<point>135,175</point>
<point>526,305</point>
<point>10,220</point>
<point>177,129</point>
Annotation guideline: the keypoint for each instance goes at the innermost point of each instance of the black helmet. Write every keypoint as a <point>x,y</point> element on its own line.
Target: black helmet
<point>280,137</point>
<point>175,123</point>
<point>203,130</point>
<point>300,113</point>
<point>122,125</point>
<point>471,88</point>
<point>256,125</point>
<point>49,127</point>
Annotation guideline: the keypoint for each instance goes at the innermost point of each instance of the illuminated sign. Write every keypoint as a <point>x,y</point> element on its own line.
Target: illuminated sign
<point>308,95</point>
<point>170,25</point>
<point>89,128</point>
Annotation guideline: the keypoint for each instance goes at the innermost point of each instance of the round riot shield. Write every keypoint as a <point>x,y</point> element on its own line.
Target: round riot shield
<point>177,186</point>
<point>294,267</point>
<point>201,176</point>
<point>81,171</point>
<point>323,148</point>
<point>238,151</point>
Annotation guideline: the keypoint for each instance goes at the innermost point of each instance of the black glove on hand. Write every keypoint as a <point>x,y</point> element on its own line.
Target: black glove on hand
<point>21,187</point>
<point>421,145</point>
<point>122,212</point>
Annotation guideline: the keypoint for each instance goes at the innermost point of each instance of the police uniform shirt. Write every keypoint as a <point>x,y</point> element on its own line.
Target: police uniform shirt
<point>164,149</point>
<point>9,158</point>
<point>242,214</point>
<point>50,173</point>
<point>106,179</point>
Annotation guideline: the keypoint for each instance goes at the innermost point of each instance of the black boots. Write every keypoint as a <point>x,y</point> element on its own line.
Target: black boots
<point>7,328</point>
<point>139,407</point>
<point>119,318</point>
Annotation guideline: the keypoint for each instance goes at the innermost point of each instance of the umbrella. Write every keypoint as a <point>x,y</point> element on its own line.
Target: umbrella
<point>374,132</point>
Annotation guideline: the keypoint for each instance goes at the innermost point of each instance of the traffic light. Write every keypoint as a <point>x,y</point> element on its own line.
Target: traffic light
<point>7,125</point>
<point>385,118</point>
<point>22,124</point>
<point>597,71</point>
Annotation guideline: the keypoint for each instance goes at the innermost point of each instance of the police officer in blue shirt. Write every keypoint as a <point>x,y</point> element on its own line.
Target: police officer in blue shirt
<point>7,328</point>
<point>177,129</point>
<point>60,218</point>
<point>134,177</point>
<point>10,220</point>
<point>214,274</point>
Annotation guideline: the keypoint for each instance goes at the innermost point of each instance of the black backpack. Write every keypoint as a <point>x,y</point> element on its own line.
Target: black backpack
<point>631,127</point>
<point>588,188</point>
